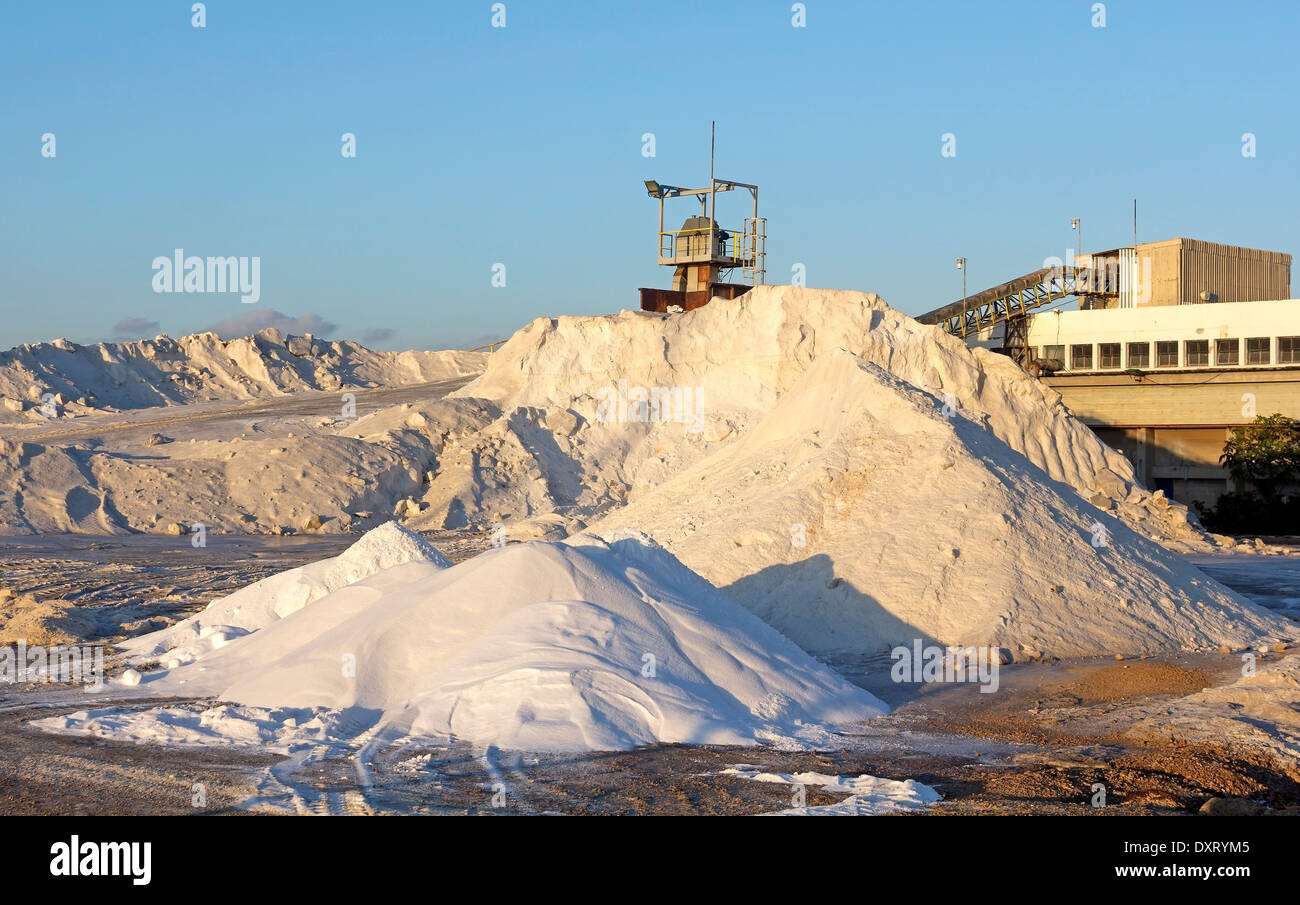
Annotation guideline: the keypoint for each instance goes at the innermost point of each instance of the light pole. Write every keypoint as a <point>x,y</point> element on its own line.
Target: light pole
<point>961,265</point>
<point>1078,238</point>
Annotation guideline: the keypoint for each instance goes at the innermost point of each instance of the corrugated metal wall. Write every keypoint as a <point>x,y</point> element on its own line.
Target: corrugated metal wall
<point>1232,273</point>
<point>1130,278</point>
<point>1176,271</point>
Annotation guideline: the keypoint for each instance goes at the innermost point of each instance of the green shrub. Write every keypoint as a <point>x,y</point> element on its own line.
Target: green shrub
<point>1266,453</point>
<point>1251,513</point>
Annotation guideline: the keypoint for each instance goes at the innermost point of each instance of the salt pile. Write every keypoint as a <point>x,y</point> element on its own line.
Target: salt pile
<point>201,366</point>
<point>869,796</point>
<point>273,598</point>
<point>732,360</point>
<point>274,480</point>
<point>860,480</point>
<point>855,515</point>
<point>584,645</point>
<point>853,477</point>
<point>82,453</point>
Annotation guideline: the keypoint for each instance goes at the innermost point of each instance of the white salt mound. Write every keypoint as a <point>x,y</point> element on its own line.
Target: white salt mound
<point>855,515</point>
<point>1260,710</point>
<point>202,366</point>
<point>743,355</point>
<point>296,467</point>
<point>869,796</point>
<point>584,645</point>
<point>860,480</point>
<point>273,598</point>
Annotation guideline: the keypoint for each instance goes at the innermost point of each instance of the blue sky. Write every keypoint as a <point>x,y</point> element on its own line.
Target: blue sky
<point>522,145</point>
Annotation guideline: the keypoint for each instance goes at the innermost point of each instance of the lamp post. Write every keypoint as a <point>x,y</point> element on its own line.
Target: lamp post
<point>961,265</point>
<point>1078,238</point>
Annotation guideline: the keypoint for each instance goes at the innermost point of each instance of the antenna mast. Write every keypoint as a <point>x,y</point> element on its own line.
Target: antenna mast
<point>713,141</point>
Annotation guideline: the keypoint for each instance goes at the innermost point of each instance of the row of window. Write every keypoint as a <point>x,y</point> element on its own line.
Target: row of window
<point>1196,353</point>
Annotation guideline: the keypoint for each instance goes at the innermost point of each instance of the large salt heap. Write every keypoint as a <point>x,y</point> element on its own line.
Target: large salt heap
<point>733,359</point>
<point>937,491</point>
<point>582,645</point>
<point>856,515</point>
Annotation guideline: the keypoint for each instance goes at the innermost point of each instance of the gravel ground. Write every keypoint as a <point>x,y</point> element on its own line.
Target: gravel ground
<point>986,753</point>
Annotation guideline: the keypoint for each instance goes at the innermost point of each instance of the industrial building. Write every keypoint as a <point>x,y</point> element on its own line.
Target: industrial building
<point>1187,272</point>
<point>1172,345</point>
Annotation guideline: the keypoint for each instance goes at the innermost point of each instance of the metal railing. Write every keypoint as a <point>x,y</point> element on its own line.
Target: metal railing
<point>724,243</point>
<point>746,249</point>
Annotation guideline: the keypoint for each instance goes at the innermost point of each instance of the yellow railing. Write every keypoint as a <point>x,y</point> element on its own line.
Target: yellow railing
<point>491,347</point>
<point>668,242</point>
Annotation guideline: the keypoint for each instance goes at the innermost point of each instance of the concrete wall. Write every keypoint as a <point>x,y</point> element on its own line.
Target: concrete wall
<point>1167,323</point>
<point>1186,399</point>
<point>1173,430</point>
<point>1181,461</point>
<point>1184,462</point>
<point>1172,422</point>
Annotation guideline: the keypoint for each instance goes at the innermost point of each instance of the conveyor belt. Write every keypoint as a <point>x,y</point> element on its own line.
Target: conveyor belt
<point>1017,297</point>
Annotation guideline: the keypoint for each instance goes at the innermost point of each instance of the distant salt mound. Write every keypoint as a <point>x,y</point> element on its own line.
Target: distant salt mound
<point>315,477</point>
<point>278,596</point>
<point>857,515</point>
<point>586,645</point>
<point>202,366</point>
<point>730,362</point>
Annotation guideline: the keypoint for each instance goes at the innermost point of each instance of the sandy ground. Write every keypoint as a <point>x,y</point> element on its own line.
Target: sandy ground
<point>1037,746</point>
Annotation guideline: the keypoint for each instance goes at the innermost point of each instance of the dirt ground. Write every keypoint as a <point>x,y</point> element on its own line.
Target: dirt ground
<point>984,758</point>
<point>1004,753</point>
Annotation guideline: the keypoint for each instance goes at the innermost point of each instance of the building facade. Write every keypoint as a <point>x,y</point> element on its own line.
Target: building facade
<point>1187,272</point>
<point>1166,384</point>
<point>1172,345</point>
